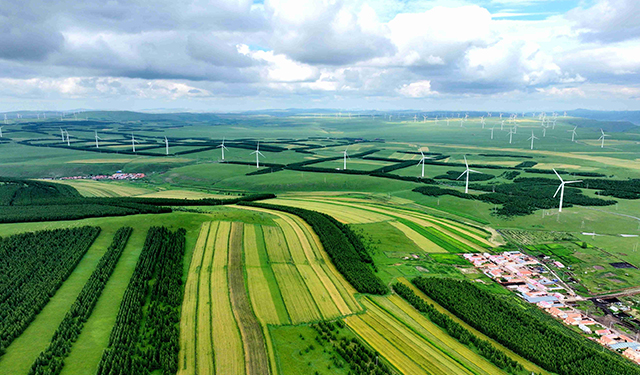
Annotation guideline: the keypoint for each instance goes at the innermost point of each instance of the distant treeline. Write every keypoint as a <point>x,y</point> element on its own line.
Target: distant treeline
<point>344,247</point>
<point>31,200</point>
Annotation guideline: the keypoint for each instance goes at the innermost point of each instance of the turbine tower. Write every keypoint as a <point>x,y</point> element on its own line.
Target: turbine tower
<point>68,142</point>
<point>222,148</point>
<point>561,188</point>
<point>5,118</point>
<point>532,138</point>
<point>0,131</point>
<point>62,134</point>
<point>258,154</point>
<point>467,171</point>
<point>345,156</point>
<point>602,137</point>
<point>492,132</point>
<point>96,134</point>
<point>422,161</point>
<point>510,135</point>
<point>573,133</point>
<point>166,146</point>
<point>133,142</point>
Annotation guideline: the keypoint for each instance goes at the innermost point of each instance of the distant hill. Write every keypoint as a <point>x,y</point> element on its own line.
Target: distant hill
<point>623,116</point>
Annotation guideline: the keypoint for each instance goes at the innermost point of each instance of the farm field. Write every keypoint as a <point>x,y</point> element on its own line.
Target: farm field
<point>259,289</point>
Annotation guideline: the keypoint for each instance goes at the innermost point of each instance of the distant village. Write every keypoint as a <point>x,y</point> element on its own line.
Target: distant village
<point>529,279</point>
<point>119,175</point>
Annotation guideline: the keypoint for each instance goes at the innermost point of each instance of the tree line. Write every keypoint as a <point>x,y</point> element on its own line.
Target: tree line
<point>530,334</point>
<point>145,337</point>
<point>457,331</point>
<point>51,360</point>
<point>33,266</point>
<point>344,247</point>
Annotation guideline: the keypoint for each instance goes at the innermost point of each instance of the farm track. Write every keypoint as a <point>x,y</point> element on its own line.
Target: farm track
<point>256,358</point>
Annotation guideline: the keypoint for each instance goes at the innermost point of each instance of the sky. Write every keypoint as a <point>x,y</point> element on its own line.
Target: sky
<point>234,55</point>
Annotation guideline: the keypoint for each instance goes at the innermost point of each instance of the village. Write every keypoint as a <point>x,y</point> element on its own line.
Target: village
<point>536,284</point>
<point>119,175</point>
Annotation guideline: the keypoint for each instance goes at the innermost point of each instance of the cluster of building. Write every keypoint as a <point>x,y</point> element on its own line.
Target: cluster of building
<point>529,279</point>
<point>116,176</point>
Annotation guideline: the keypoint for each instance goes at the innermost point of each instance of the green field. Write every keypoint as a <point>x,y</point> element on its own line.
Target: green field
<point>257,281</point>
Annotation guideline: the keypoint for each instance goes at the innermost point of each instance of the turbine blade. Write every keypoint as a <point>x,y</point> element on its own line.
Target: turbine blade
<point>462,174</point>
<point>554,171</point>
<point>559,187</point>
<point>573,182</point>
<point>465,161</point>
<point>474,171</point>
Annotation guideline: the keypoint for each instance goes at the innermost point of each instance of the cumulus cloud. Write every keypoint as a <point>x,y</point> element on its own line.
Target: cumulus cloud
<point>608,20</point>
<point>296,50</point>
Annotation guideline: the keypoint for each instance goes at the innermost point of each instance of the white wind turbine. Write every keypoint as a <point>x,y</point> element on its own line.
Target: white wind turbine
<point>97,138</point>
<point>62,134</point>
<point>166,146</point>
<point>68,142</point>
<point>447,121</point>
<point>133,142</point>
<point>502,125</point>
<point>544,130</point>
<point>0,131</point>
<point>492,132</point>
<point>602,137</point>
<point>415,118</point>
<point>467,171</point>
<point>482,121</point>
<point>436,120</point>
<point>222,147</point>
<point>573,133</point>
<point>424,118</point>
<point>510,135</point>
<point>345,156</point>
<point>422,161</point>
<point>561,188</point>
<point>258,154</point>
<point>5,119</point>
<point>461,122</point>
<point>532,138</point>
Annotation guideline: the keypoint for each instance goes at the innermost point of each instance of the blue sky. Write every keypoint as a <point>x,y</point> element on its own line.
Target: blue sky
<point>353,54</point>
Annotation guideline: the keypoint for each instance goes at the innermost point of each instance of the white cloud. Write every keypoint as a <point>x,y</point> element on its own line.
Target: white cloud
<point>418,89</point>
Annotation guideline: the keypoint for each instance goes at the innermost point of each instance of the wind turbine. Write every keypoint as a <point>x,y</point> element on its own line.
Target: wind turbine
<point>222,147</point>
<point>467,171</point>
<point>424,118</point>
<point>510,135</point>
<point>62,134</point>
<point>492,132</point>
<point>166,146</point>
<point>436,120</point>
<point>5,119</point>
<point>544,130</point>
<point>415,118</point>
<point>422,161</point>
<point>96,134</point>
<point>447,121</point>
<point>561,188</point>
<point>482,121</point>
<point>0,131</point>
<point>502,125</point>
<point>602,138</point>
<point>345,156</point>
<point>68,142</point>
<point>133,142</point>
<point>573,133</point>
<point>258,154</point>
<point>532,138</point>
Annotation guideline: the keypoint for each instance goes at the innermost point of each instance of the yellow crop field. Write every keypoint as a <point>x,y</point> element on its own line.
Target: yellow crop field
<point>184,194</point>
<point>423,243</point>
<point>300,304</point>
<point>277,248</point>
<point>293,242</point>
<point>529,366</point>
<point>319,293</point>
<point>91,188</point>
<point>188,328</point>
<point>261,296</point>
<point>227,343</point>
<point>251,256</point>
<point>204,349</point>
<point>417,322</point>
<point>349,215</point>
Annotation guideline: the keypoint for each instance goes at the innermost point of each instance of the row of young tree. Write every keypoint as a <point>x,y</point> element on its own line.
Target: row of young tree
<point>360,359</point>
<point>51,360</point>
<point>457,331</point>
<point>18,191</point>
<point>531,335</point>
<point>145,337</point>
<point>33,266</point>
<point>522,197</point>
<point>344,247</point>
